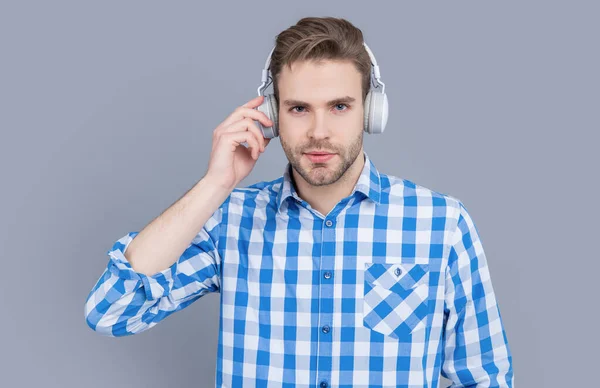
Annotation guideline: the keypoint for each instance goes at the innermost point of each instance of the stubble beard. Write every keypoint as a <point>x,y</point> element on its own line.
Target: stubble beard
<point>327,173</point>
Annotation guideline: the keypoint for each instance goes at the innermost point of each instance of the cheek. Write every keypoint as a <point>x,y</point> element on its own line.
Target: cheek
<point>291,143</point>
<point>290,132</point>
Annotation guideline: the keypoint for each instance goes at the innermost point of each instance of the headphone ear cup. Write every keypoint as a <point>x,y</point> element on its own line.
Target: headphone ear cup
<point>274,114</point>
<point>376,112</point>
<point>367,111</point>
<point>268,107</point>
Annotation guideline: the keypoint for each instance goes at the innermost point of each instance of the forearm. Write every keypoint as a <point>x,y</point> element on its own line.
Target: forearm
<point>160,243</point>
<point>476,351</point>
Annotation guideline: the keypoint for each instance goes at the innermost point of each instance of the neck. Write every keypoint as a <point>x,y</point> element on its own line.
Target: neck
<point>324,198</point>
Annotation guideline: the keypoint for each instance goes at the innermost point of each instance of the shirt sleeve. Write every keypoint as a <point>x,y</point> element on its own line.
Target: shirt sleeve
<point>125,302</point>
<point>476,351</point>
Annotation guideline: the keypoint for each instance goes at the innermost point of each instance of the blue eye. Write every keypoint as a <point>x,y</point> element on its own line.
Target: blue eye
<point>292,109</point>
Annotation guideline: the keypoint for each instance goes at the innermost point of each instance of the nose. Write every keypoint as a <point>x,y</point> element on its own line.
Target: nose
<point>319,126</point>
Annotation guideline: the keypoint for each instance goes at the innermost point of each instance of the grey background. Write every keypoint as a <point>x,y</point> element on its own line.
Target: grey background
<point>107,115</point>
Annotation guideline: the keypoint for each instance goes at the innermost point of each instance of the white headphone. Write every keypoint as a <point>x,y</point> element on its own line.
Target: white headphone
<point>376,102</point>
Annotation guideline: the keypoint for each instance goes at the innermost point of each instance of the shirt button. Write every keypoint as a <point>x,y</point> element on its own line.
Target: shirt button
<point>327,275</point>
<point>325,329</point>
<point>324,384</point>
<point>328,222</point>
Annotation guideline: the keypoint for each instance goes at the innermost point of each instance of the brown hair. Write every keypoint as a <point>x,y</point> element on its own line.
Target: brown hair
<point>318,39</point>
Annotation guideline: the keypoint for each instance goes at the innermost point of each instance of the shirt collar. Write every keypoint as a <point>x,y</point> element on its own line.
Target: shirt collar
<point>369,183</point>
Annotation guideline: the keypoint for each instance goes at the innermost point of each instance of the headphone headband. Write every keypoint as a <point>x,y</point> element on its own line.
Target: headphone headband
<point>374,74</point>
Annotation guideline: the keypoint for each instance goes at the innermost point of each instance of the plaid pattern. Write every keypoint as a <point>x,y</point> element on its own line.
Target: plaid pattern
<point>395,298</point>
<point>390,289</point>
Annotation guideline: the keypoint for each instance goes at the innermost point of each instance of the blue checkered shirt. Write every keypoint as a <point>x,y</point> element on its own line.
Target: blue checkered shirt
<point>390,289</point>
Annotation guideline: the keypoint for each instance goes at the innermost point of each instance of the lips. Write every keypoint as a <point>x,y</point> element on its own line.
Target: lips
<point>319,153</point>
<point>319,157</point>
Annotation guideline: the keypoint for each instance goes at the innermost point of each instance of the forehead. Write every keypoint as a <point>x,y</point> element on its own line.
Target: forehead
<point>319,81</point>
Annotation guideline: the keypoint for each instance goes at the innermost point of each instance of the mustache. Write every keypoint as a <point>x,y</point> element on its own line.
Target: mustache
<point>325,147</point>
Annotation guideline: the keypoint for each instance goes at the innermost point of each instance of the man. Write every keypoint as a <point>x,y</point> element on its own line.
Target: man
<point>334,274</point>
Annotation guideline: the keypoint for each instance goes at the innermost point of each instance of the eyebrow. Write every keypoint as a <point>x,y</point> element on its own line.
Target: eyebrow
<point>340,100</point>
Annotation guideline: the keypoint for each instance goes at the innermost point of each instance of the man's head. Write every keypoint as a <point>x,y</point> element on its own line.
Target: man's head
<point>321,76</point>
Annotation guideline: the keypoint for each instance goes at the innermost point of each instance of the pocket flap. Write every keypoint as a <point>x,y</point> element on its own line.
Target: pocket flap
<point>387,275</point>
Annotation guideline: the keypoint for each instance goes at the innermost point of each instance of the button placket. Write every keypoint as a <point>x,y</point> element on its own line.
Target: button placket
<point>328,252</point>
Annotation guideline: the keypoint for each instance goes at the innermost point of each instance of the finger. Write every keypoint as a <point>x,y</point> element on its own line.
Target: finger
<point>256,101</point>
<point>242,112</point>
<point>248,125</point>
<point>244,136</point>
<point>252,127</point>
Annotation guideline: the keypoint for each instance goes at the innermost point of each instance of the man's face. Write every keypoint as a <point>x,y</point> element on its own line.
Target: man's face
<point>321,110</point>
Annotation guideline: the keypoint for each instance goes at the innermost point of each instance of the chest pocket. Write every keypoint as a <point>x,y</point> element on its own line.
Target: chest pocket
<point>395,298</point>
